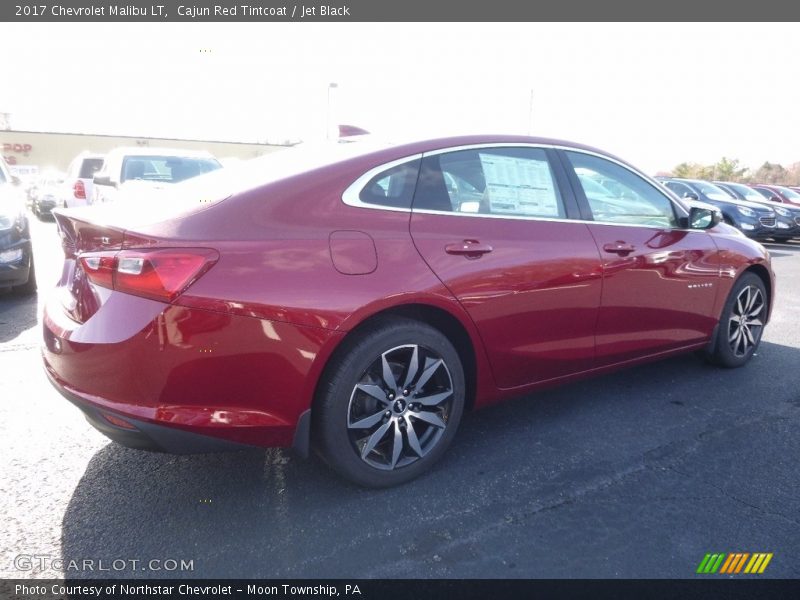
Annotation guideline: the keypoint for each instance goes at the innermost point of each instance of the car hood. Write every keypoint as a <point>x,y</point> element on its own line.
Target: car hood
<point>756,206</point>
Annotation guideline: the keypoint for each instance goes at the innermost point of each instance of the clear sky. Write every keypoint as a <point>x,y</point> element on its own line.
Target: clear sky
<point>655,94</point>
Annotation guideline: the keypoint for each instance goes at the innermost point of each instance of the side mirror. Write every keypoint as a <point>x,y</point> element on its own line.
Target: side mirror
<point>703,218</point>
<point>691,196</point>
<point>103,180</point>
<point>15,180</point>
<point>774,199</point>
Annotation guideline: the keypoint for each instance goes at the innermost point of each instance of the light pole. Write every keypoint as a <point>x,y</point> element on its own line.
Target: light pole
<point>530,115</point>
<point>331,86</point>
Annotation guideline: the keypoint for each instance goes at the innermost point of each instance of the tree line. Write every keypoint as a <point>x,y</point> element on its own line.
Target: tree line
<point>727,169</point>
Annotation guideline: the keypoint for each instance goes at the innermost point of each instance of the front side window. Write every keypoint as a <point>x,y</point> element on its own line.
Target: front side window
<point>509,182</point>
<point>617,195</point>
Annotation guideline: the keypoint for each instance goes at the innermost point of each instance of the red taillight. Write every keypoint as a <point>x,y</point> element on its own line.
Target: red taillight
<point>99,267</point>
<point>79,190</point>
<point>158,274</point>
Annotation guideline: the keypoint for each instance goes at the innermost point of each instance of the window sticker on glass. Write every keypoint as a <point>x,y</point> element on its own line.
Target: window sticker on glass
<point>519,186</point>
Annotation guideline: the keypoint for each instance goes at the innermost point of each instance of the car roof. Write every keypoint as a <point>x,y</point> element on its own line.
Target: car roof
<point>439,143</point>
<point>689,180</point>
<point>386,151</point>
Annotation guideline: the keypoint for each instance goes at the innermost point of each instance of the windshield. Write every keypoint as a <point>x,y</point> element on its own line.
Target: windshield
<point>748,192</point>
<point>788,192</point>
<point>712,191</point>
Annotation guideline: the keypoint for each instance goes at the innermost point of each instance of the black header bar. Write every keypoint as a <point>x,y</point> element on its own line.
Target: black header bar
<point>337,11</point>
<point>705,588</point>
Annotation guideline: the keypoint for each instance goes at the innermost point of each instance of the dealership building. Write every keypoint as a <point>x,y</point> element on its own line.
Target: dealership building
<point>31,152</point>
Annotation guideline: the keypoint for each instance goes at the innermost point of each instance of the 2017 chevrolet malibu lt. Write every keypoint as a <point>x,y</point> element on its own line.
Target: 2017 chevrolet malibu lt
<point>358,300</point>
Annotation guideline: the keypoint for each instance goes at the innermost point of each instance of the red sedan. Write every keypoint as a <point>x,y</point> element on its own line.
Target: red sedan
<point>778,193</point>
<point>357,300</point>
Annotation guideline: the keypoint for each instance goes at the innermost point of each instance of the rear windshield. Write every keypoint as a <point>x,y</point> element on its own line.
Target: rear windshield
<point>89,167</point>
<point>281,164</point>
<point>166,169</point>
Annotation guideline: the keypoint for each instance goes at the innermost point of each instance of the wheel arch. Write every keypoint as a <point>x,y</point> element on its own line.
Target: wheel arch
<point>763,273</point>
<point>461,334</point>
<point>441,319</point>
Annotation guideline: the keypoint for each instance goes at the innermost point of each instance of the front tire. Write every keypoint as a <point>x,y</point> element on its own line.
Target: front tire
<point>390,403</point>
<point>742,322</point>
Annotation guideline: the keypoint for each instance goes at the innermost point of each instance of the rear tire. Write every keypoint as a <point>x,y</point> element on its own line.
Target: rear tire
<point>742,322</point>
<point>390,403</point>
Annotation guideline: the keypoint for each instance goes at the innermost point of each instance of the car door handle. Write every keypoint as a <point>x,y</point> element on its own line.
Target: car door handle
<point>468,248</point>
<point>619,248</point>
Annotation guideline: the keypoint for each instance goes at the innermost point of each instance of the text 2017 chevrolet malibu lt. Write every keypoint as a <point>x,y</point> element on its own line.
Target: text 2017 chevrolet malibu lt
<point>357,300</point>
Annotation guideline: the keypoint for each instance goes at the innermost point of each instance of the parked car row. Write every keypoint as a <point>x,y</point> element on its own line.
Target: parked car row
<point>759,211</point>
<point>96,179</point>
<point>16,254</point>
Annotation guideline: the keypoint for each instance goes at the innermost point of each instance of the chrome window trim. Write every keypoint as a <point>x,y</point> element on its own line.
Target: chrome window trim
<point>426,211</point>
<point>352,195</point>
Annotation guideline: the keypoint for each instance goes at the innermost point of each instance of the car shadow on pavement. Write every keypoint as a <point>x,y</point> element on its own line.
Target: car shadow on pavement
<point>17,314</point>
<point>524,481</point>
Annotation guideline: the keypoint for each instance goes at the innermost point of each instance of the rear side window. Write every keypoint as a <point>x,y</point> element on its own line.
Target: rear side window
<point>512,182</point>
<point>90,166</point>
<point>393,187</point>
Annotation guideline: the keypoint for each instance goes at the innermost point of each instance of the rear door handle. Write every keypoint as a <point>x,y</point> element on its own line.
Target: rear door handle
<point>468,248</point>
<point>619,248</point>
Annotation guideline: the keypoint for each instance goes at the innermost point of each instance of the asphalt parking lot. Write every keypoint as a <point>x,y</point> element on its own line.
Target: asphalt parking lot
<point>635,474</point>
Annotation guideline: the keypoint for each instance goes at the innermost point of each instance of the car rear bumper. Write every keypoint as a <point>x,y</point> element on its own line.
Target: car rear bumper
<point>15,270</point>
<point>183,379</point>
<point>142,435</point>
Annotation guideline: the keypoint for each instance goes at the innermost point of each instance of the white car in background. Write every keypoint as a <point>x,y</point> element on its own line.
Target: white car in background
<point>127,171</point>
<point>78,185</point>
